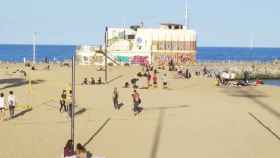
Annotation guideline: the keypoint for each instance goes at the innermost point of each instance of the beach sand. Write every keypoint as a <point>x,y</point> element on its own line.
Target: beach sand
<point>193,118</point>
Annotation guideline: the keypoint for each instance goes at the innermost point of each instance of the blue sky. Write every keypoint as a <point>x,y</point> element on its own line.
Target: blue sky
<point>218,22</point>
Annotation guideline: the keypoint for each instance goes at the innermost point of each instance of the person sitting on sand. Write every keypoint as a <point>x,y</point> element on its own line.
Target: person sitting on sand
<point>2,107</point>
<point>81,152</point>
<point>126,85</point>
<point>12,104</point>
<point>205,71</point>
<point>134,82</point>
<point>92,81</point>
<point>69,149</point>
<point>99,80</point>
<point>85,82</point>
<point>136,102</point>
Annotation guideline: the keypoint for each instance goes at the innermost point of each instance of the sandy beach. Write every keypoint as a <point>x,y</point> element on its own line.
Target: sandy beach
<point>193,118</point>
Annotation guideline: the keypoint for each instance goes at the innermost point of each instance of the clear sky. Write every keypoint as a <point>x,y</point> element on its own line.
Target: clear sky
<point>218,22</point>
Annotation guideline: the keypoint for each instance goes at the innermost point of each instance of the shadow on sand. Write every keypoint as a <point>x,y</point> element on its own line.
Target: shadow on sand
<point>116,78</point>
<point>97,132</point>
<point>17,82</point>
<point>81,111</point>
<point>255,96</point>
<point>166,107</point>
<point>20,114</point>
<point>156,140</point>
<point>157,135</point>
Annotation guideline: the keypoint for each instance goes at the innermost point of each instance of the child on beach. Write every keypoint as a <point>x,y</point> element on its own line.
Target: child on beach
<point>116,99</point>
<point>2,107</point>
<point>136,102</point>
<point>12,104</point>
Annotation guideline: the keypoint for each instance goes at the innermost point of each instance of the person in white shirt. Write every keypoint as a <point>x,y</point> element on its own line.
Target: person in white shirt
<point>2,107</point>
<point>164,80</point>
<point>11,103</point>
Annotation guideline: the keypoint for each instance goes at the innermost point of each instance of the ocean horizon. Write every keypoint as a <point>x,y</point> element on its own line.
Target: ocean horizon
<point>16,53</point>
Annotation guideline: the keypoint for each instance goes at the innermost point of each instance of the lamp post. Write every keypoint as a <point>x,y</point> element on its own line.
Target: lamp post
<point>72,114</point>
<point>106,45</point>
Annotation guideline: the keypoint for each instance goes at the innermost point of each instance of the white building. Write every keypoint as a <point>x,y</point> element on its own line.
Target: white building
<point>139,45</point>
<point>87,55</point>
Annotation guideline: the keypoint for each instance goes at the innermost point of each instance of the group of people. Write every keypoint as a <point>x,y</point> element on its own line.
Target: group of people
<point>80,152</point>
<point>186,74</point>
<point>9,104</point>
<point>135,98</point>
<point>92,81</point>
<point>152,75</point>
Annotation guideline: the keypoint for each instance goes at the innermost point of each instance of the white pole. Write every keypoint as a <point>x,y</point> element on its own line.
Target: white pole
<point>187,19</point>
<point>34,48</point>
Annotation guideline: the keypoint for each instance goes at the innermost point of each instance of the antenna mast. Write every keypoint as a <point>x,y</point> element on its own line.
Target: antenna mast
<point>187,19</point>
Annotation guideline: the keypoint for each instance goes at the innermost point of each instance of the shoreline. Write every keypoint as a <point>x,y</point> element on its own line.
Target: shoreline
<point>257,70</point>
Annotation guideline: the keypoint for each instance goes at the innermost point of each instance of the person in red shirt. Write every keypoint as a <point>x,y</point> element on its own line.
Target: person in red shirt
<point>155,79</point>
<point>136,102</point>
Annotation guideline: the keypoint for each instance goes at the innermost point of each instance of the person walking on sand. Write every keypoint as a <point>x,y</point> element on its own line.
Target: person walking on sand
<point>164,80</point>
<point>136,102</point>
<point>116,99</point>
<point>12,104</point>
<point>149,77</point>
<point>63,101</point>
<point>155,80</point>
<point>2,107</point>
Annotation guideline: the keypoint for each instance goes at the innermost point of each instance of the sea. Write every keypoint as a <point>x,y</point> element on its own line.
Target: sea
<point>16,53</point>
